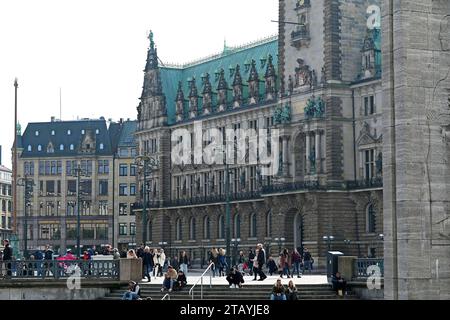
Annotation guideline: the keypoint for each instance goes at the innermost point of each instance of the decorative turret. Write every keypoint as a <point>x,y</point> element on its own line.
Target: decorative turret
<point>222,90</point>
<point>371,55</point>
<point>270,80</point>
<point>179,102</point>
<point>193,98</point>
<point>237,88</point>
<point>207,94</point>
<point>253,84</point>
<point>152,108</point>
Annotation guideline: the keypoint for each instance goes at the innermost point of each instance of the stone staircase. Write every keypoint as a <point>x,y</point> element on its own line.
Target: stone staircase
<point>223,292</point>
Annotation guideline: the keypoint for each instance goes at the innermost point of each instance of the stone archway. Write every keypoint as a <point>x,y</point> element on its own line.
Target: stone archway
<point>298,232</point>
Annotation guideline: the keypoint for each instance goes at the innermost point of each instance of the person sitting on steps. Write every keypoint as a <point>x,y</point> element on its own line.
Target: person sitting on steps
<point>235,278</point>
<point>278,291</point>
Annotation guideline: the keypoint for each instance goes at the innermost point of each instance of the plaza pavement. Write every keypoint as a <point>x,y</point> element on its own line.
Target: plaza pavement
<point>194,276</point>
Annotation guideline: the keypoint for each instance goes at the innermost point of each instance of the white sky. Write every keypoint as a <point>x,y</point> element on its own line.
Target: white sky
<point>95,50</point>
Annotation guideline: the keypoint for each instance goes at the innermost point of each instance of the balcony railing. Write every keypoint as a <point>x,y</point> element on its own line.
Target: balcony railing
<point>361,267</point>
<point>57,269</point>
<point>264,190</point>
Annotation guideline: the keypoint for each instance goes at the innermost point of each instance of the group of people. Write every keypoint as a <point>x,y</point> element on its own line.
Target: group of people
<point>293,260</point>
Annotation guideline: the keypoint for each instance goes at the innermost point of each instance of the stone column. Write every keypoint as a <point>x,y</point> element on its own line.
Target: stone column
<point>308,145</point>
<point>318,153</point>
<point>416,172</point>
<point>285,157</point>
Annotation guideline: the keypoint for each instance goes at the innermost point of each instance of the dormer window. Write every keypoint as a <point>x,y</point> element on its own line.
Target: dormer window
<point>29,148</point>
<point>97,131</point>
<point>61,147</point>
<point>101,146</point>
<point>39,147</point>
<point>69,132</point>
<point>71,147</point>
<point>53,132</point>
<point>50,148</point>
<point>36,133</point>
<point>82,131</point>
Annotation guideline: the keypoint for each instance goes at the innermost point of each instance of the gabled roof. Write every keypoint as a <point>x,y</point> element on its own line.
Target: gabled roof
<point>227,60</point>
<point>126,138</point>
<point>62,137</point>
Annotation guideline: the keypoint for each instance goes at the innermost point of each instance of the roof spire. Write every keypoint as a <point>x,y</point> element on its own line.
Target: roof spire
<point>152,56</point>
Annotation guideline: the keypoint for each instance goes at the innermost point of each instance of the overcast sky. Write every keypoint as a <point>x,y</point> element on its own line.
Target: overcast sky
<point>95,51</point>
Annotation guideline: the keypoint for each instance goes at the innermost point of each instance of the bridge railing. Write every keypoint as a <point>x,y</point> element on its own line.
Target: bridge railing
<point>361,267</point>
<point>57,269</point>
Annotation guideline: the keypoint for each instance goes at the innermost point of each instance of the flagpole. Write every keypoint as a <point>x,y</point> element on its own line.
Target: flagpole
<point>14,169</point>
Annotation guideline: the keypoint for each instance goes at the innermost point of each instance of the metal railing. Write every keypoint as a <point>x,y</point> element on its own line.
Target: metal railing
<point>60,269</point>
<point>191,291</point>
<point>166,297</point>
<point>362,264</point>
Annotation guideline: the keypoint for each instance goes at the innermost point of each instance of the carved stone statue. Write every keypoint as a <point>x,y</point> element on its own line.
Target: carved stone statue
<point>303,74</point>
<point>312,160</point>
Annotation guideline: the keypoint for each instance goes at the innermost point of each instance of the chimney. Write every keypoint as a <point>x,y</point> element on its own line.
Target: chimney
<point>121,120</point>
<point>52,119</point>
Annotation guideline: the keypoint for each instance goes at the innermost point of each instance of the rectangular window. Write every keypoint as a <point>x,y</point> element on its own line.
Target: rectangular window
<point>47,168</point>
<point>123,152</point>
<point>58,187</point>
<point>372,105</point>
<point>132,189</point>
<point>50,187</point>
<point>132,170</point>
<point>71,208</point>
<point>123,170</point>
<point>122,229</point>
<point>369,105</point>
<point>369,161</point>
<point>101,231</point>
<point>87,231</point>
<point>71,187</point>
<point>103,187</point>
<point>59,167</point>
<point>103,208</point>
<point>123,209</point>
<point>133,152</point>
<point>132,229</point>
<point>123,189</point>
<point>85,208</point>
<point>71,231</point>
<point>86,187</point>
<point>103,166</point>
<point>41,167</point>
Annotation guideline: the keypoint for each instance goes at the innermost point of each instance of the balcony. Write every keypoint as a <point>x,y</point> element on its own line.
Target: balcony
<point>376,182</point>
<point>300,37</point>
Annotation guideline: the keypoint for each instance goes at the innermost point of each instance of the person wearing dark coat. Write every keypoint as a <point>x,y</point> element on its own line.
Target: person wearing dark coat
<point>339,283</point>
<point>7,256</point>
<point>180,282</point>
<point>235,278</point>
<point>147,261</point>
<point>261,258</point>
<point>251,256</point>
<point>272,266</point>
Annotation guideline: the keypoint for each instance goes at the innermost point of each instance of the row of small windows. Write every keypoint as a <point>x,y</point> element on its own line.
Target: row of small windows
<point>221,227</point>
<point>69,132</point>
<point>54,167</point>
<point>50,148</point>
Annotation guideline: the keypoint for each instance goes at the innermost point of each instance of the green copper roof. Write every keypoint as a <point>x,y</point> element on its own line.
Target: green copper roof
<point>227,60</point>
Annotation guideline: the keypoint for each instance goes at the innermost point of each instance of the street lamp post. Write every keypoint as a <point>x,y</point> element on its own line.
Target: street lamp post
<point>235,249</point>
<point>78,173</point>
<point>280,242</point>
<point>28,184</point>
<point>328,239</point>
<point>147,164</point>
<point>227,213</point>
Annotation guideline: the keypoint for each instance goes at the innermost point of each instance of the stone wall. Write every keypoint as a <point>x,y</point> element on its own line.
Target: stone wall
<point>416,117</point>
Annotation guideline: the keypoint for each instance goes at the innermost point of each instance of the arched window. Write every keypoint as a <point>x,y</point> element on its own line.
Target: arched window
<point>61,147</point>
<point>192,229</point>
<point>237,226</point>
<point>206,232</point>
<point>39,147</point>
<point>253,225</point>
<point>71,147</point>
<point>29,148</point>
<point>221,227</point>
<point>178,229</point>
<point>150,231</point>
<point>370,218</point>
<point>269,224</point>
<point>102,146</point>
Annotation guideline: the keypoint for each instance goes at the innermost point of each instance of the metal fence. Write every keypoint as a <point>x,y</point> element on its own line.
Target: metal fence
<point>362,265</point>
<point>57,269</point>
